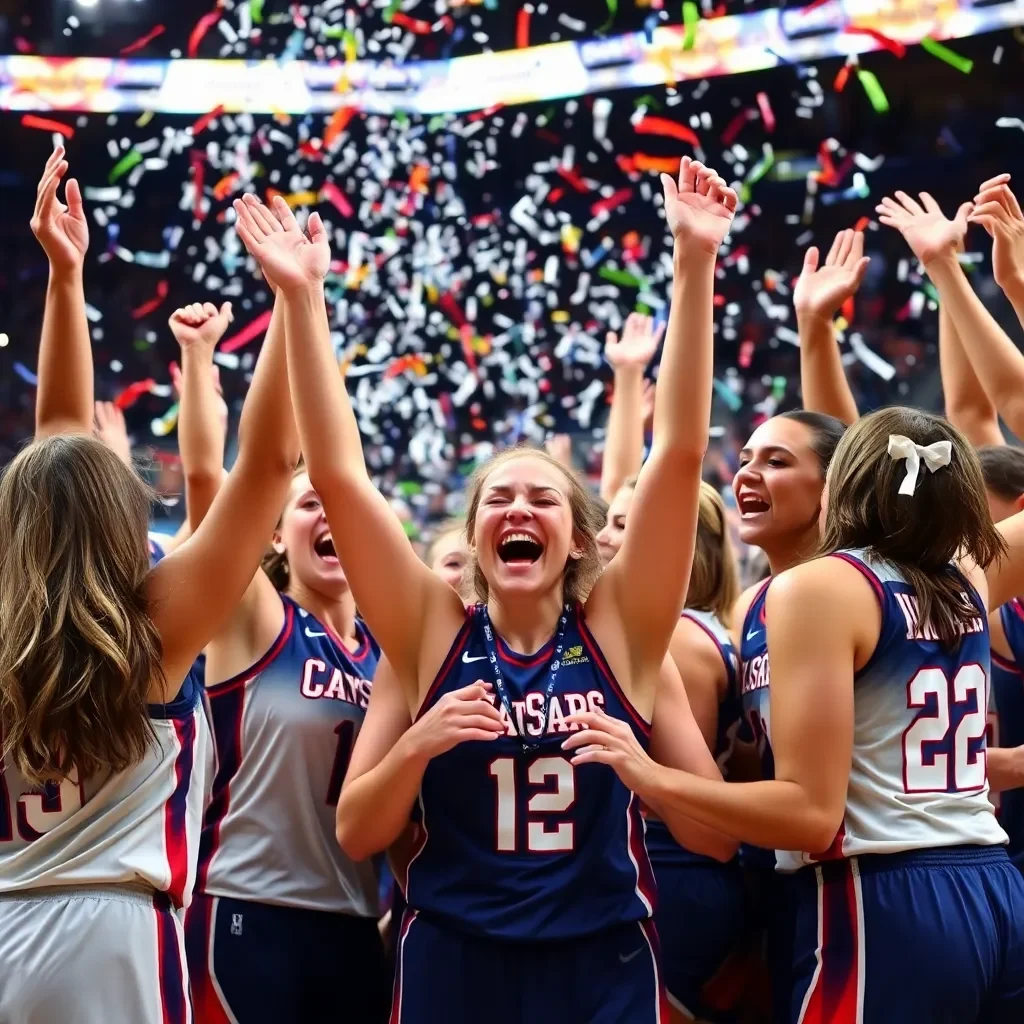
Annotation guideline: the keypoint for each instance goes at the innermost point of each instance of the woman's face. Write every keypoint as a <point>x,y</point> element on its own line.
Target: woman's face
<point>609,540</point>
<point>305,538</point>
<point>450,557</point>
<point>779,484</point>
<point>523,534</point>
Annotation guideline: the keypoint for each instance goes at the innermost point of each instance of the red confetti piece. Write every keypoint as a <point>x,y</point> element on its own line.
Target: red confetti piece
<point>451,309</point>
<point>144,41</point>
<point>466,337</point>
<point>247,333</point>
<point>131,394</point>
<point>336,198</point>
<point>522,28</point>
<point>203,25</point>
<point>198,174</point>
<point>847,309</point>
<point>22,45</point>
<point>45,124</point>
<point>611,202</point>
<point>733,128</point>
<point>555,194</point>
<point>571,175</point>
<point>842,78</point>
<point>148,307</point>
<point>414,25</point>
<point>862,223</point>
<point>479,115</point>
<point>337,124</point>
<point>892,45</point>
<point>225,186</point>
<point>663,126</point>
<point>766,111</point>
<point>204,122</point>
<point>813,5</point>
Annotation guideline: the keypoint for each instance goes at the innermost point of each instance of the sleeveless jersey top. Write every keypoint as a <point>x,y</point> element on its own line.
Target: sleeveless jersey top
<point>284,730</point>
<point>918,779</point>
<point>661,845</point>
<point>136,827</point>
<point>1008,721</point>
<point>519,844</point>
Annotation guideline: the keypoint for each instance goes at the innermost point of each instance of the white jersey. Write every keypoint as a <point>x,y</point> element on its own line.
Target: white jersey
<point>136,827</point>
<point>918,779</point>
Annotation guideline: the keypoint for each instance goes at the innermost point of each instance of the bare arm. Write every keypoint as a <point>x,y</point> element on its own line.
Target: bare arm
<point>64,400</point>
<point>648,579</point>
<point>968,408</point>
<point>624,444</point>
<point>696,655</point>
<point>1005,768</point>
<point>819,295</point>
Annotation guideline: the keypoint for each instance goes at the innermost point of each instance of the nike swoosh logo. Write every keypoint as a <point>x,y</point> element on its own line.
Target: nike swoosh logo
<point>624,958</point>
<point>467,660</point>
<point>750,636</point>
<point>312,635</point>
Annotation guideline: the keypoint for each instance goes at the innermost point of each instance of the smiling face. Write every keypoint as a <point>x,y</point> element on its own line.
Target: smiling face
<point>305,539</point>
<point>609,540</point>
<point>449,557</point>
<point>778,486</point>
<point>523,526</point>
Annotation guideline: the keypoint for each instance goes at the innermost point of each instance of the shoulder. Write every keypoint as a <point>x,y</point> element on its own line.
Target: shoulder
<point>697,653</point>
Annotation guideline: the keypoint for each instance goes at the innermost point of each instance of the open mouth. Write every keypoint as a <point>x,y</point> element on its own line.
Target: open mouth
<point>519,549</point>
<point>324,547</point>
<point>751,505</point>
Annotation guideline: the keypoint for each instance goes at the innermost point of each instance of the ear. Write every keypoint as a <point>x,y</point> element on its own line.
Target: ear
<point>277,543</point>
<point>1019,503</point>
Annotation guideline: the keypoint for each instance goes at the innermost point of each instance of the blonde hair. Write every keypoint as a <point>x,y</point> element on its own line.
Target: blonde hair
<point>275,563</point>
<point>714,578</point>
<point>580,573</point>
<point>79,652</point>
<point>446,529</point>
<point>922,534</point>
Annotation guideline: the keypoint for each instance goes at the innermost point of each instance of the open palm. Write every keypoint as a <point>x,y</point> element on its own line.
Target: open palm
<point>288,258</point>
<point>820,291</point>
<point>637,345</point>
<point>62,230</point>
<point>929,234</point>
<point>700,207</point>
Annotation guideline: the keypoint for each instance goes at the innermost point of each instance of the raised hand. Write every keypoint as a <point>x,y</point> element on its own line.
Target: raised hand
<point>996,209</point>
<point>637,345</point>
<point>200,323</point>
<point>62,230</point>
<point>288,258</point>
<point>820,291</point>
<point>929,234</point>
<point>112,431</point>
<point>699,209</point>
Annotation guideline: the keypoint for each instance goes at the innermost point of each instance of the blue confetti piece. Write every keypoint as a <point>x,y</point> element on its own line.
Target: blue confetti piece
<point>26,374</point>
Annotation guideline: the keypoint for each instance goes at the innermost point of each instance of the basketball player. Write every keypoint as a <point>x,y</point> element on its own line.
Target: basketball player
<point>930,926</point>
<point>102,725</point>
<point>278,904</point>
<point>529,880</point>
<point>448,556</point>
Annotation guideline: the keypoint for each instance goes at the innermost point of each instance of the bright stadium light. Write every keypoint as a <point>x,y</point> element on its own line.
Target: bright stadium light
<point>87,3</point>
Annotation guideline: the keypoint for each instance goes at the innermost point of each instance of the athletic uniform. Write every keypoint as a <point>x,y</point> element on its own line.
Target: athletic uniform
<point>93,876</point>
<point>700,914</point>
<point>279,908</point>
<point>530,892</point>
<point>1008,731</point>
<point>915,912</point>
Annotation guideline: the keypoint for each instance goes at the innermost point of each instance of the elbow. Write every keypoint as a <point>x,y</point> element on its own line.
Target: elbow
<point>720,847</point>
<point>352,840</point>
<point>817,831</point>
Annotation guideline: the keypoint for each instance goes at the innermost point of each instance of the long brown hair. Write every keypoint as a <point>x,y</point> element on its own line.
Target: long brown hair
<point>79,652</point>
<point>921,534</point>
<point>580,573</point>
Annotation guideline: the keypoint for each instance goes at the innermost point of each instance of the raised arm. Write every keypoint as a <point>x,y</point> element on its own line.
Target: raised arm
<point>393,588</point>
<point>648,579</point>
<point>195,590</point>
<point>996,360</point>
<point>628,356</point>
<point>819,295</point>
<point>64,399</point>
<point>996,209</point>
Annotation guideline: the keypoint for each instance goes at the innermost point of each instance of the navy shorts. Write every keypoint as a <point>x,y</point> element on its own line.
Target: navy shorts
<point>701,919</point>
<point>256,963</point>
<point>931,936</point>
<point>449,977</point>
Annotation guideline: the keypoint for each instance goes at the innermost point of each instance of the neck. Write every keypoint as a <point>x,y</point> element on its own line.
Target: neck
<point>525,623</point>
<point>339,614</point>
<point>793,550</point>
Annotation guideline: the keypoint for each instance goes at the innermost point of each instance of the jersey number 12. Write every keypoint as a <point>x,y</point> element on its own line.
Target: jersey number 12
<point>542,835</point>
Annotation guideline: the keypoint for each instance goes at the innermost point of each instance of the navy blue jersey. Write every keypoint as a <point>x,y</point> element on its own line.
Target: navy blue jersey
<point>523,845</point>
<point>1008,691</point>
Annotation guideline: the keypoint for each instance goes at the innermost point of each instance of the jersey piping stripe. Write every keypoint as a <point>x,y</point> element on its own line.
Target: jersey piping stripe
<point>446,665</point>
<point>646,889</point>
<point>396,995</point>
<point>176,811</point>
<point>256,668</point>
<point>421,843</point>
<point>662,1013</point>
<point>174,1002</point>
<point>595,652</point>
<point>730,670</point>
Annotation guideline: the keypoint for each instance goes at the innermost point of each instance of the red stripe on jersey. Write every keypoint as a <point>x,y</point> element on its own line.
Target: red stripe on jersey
<point>646,887</point>
<point>171,976</point>
<point>664,1013</point>
<point>176,811</point>
<point>396,992</point>
<point>255,669</point>
<point>199,935</point>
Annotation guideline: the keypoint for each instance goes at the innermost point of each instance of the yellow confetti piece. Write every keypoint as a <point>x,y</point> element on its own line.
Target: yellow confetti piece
<point>432,292</point>
<point>147,116</point>
<point>481,346</point>
<point>294,199</point>
<point>560,316</point>
<point>840,324</point>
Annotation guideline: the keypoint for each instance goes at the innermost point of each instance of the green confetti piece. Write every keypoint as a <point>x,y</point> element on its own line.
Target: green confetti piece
<point>929,290</point>
<point>407,488</point>
<point>401,117</point>
<point>613,10</point>
<point>727,395</point>
<point>645,310</point>
<point>436,122</point>
<point>648,101</point>
<point>691,18</point>
<point>623,277</point>
<point>124,165</point>
<point>962,64</point>
<point>256,11</point>
<point>391,10</point>
<point>334,31</point>
<point>875,93</point>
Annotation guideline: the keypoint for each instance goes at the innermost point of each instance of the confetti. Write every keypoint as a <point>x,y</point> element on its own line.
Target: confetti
<point>247,333</point>
<point>944,53</point>
<point>874,90</point>
<point>124,165</point>
<point>894,46</point>
<point>26,374</point>
<point>143,41</point>
<point>691,18</point>
<point>128,396</point>
<point>47,124</point>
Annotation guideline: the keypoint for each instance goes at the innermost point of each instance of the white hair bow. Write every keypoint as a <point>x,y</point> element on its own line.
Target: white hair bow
<point>935,456</point>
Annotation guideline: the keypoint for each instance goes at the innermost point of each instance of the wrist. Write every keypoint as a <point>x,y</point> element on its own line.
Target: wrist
<point>629,373</point>
<point>943,263</point>
<point>1013,288</point>
<point>689,257</point>
<point>411,748</point>
<point>302,291</point>
<point>814,318</point>
<point>66,273</point>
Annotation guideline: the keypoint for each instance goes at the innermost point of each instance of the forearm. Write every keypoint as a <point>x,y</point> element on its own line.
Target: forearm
<point>1015,293</point>
<point>200,435</point>
<point>373,809</point>
<point>331,444</point>
<point>823,382</point>
<point>1005,768</point>
<point>64,400</point>
<point>682,406</point>
<point>995,359</point>
<point>968,407</point>
<point>624,444</point>
<point>773,814</point>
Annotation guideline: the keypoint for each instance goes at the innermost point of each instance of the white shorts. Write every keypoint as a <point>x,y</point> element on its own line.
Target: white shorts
<point>100,955</point>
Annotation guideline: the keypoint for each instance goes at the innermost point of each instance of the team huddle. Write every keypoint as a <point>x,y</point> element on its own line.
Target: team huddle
<point>283,769</point>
